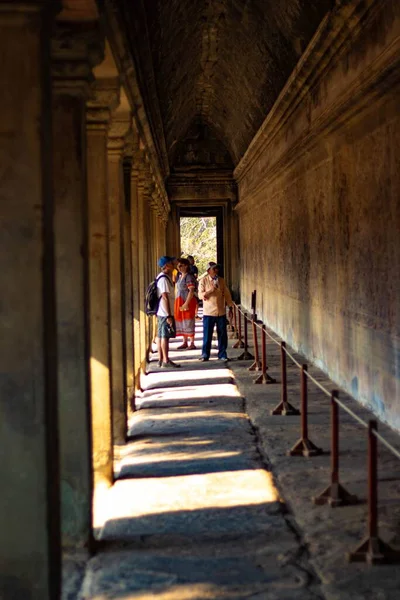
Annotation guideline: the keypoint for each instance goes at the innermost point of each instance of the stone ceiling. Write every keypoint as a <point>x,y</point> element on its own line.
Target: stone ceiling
<point>225,61</point>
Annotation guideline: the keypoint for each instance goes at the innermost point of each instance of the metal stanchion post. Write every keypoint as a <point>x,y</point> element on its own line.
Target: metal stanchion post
<point>229,327</point>
<point>256,366</point>
<point>335,494</point>
<point>246,355</point>
<point>239,343</point>
<point>254,304</point>
<point>284,408</point>
<point>373,550</point>
<point>264,377</point>
<point>304,447</point>
<point>234,333</point>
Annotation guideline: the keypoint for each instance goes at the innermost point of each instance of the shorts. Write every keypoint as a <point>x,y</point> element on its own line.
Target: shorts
<point>164,330</point>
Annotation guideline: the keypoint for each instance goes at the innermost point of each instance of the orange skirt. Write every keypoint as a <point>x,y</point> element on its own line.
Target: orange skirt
<point>185,319</point>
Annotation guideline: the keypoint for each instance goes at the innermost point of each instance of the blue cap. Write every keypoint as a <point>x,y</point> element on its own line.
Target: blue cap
<point>164,260</point>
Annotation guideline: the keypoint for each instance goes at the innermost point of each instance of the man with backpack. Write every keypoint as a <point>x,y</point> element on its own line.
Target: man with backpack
<point>165,311</point>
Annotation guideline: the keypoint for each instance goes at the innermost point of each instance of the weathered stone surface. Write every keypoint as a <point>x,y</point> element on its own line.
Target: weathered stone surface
<point>320,185</point>
<point>97,127</point>
<point>329,534</point>
<point>71,72</point>
<point>29,466</point>
<point>116,206</point>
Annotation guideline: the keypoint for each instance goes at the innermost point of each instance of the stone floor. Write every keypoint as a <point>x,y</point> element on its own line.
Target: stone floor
<point>207,505</point>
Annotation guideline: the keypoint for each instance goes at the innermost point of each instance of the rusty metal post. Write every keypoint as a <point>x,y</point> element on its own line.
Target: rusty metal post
<point>246,355</point>
<point>373,550</point>
<point>372,480</point>
<point>284,408</point>
<point>229,327</point>
<point>234,333</point>
<point>254,305</point>
<point>239,343</point>
<point>335,494</point>
<point>256,366</point>
<point>304,447</point>
<point>264,377</point>
<point>283,373</point>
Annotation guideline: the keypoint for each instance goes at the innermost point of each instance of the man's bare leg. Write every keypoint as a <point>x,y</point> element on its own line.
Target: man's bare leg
<point>159,348</point>
<point>164,349</point>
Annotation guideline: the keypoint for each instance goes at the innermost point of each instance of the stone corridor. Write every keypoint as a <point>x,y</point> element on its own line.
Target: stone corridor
<point>207,505</point>
<point>118,119</point>
<point>193,514</point>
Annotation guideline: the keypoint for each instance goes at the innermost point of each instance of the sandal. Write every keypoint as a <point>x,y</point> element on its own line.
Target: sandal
<point>182,347</point>
<point>192,347</point>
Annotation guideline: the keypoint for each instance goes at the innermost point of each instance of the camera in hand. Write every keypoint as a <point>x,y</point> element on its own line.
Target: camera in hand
<point>170,330</point>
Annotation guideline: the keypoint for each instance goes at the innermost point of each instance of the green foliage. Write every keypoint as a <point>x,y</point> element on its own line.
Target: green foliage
<point>199,238</point>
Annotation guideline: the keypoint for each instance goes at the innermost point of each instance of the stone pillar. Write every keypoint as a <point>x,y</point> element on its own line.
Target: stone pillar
<point>154,227</point>
<point>29,498</point>
<point>137,307</point>
<point>234,255</point>
<point>173,233</point>
<point>143,263</point>
<point>71,72</point>
<point>127,234</point>
<point>103,99</point>
<point>116,145</point>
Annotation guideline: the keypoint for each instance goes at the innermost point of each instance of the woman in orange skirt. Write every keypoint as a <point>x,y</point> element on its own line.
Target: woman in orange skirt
<point>185,305</point>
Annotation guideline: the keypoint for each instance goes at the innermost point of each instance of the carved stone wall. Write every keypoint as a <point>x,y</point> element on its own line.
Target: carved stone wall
<point>319,207</point>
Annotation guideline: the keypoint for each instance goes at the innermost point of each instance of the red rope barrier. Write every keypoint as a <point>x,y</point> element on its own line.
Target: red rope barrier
<point>373,549</point>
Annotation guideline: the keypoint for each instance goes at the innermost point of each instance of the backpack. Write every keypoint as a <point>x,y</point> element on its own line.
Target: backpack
<point>152,300</point>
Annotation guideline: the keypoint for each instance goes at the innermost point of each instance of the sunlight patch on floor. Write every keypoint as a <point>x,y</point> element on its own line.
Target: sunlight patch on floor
<point>181,414</point>
<point>187,375</point>
<point>148,443</point>
<point>178,456</point>
<point>184,591</point>
<point>132,498</point>
<point>201,392</point>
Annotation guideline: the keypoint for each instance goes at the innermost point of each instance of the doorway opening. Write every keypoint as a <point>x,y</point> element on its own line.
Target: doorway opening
<point>199,239</point>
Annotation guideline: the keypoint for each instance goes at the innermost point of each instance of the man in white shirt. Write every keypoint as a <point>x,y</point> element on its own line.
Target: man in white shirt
<point>165,311</point>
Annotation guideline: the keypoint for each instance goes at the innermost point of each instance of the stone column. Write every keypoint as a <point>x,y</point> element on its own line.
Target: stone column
<point>116,146</point>
<point>104,98</point>
<point>127,231</point>
<point>29,498</point>
<point>144,276</point>
<point>137,307</point>
<point>173,233</point>
<point>71,72</point>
